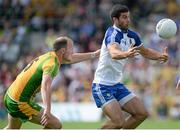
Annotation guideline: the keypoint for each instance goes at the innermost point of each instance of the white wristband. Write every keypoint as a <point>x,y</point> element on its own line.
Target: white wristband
<point>93,55</point>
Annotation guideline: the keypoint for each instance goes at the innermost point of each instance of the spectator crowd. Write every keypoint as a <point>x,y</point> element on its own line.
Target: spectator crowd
<point>28,28</point>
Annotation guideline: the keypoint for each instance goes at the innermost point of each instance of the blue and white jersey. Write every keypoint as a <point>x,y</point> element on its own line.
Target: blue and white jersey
<point>110,71</point>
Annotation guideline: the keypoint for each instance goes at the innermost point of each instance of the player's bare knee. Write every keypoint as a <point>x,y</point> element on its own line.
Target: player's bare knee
<point>58,125</point>
<point>119,123</point>
<point>54,124</point>
<point>142,115</point>
<point>145,114</point>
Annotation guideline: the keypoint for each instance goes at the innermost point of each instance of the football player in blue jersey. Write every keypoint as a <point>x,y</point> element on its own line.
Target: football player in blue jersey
<point>110,94</point>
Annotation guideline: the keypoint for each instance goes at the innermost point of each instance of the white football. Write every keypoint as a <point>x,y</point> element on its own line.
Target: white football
<point>166,28</point>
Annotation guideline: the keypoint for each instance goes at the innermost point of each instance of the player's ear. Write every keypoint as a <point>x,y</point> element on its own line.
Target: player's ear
<point>114,18</point>
<point>63,50</point>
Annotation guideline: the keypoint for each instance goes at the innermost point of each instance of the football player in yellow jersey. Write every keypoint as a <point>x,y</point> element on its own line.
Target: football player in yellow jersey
<point>38,75</point>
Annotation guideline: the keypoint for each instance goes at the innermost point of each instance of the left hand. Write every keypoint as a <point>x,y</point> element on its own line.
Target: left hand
<point>164,57</point>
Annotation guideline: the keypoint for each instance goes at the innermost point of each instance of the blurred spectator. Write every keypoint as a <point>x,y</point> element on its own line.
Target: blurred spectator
<point>50,37</point>
<point>175,109</point>
<point>28,28</point>
<point>162,108</point>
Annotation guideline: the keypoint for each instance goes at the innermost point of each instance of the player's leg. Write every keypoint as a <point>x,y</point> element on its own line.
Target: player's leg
<point>131,104</point>
<point>138,113</point>
<point>12,108</point>
<point>103,96</point>
<point>113,111</point>
<point>53,122</point>
<point>32,112</point>
<point>13,123</point>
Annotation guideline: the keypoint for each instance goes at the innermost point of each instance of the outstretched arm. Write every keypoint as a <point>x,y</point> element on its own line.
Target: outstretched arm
<point>154,55</point>
<point>117,54</point>
<point>178,85</point>
<point>79,57</point>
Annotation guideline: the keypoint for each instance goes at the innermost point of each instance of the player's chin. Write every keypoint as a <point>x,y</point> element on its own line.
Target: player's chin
<point>125,27</point>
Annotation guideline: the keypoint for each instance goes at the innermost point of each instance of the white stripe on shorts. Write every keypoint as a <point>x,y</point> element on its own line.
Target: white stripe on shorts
<point>107,103</point>
<point>126,99</point>
<point>99,94</point>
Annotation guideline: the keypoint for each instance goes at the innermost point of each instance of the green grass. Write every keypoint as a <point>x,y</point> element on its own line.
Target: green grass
<point>148,124</point>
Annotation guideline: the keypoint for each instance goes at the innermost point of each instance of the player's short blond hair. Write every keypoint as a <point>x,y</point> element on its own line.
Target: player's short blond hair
<point>61,42</point>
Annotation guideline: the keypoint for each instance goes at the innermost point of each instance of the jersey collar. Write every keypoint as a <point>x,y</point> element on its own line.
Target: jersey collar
<point>114,26</point>
<point>54,54</point>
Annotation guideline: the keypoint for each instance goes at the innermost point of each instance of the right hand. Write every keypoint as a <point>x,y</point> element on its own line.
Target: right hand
<point>132,51</point>
<point>164,57</point>
<point>97,53</point>
<point>45,119</point>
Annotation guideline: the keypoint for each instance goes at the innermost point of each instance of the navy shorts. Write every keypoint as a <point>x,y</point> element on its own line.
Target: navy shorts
<point>104,94</point>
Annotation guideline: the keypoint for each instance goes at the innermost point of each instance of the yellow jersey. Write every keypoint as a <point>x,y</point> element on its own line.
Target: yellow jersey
<point>28,82</point>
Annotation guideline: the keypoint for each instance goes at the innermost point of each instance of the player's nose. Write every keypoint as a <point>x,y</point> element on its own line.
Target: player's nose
<point>128,20</point>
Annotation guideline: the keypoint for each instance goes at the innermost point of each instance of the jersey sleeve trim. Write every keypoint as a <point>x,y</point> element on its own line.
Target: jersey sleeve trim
<point>140,45</point>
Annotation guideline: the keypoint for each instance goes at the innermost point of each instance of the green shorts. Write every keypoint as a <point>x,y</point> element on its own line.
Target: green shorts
<point>22,110</point>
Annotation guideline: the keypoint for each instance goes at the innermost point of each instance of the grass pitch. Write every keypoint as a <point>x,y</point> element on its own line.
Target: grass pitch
<point>148,124</point>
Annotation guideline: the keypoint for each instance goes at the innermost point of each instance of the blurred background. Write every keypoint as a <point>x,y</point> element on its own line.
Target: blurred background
<point>28,29</point>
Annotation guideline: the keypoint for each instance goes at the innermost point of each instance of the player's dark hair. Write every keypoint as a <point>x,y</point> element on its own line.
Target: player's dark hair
<point>59,43</point>
<point>117,10</point>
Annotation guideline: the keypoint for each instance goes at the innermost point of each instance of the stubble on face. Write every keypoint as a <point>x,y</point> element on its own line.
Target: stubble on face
<point>124,21</point>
